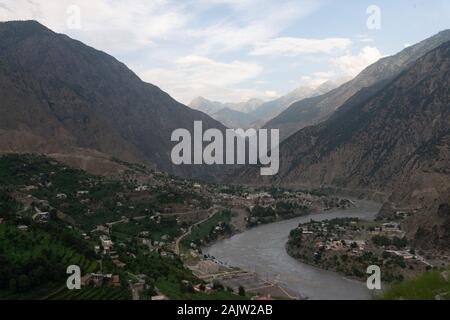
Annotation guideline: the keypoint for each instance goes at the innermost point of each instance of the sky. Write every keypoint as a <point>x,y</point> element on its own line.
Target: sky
<point>236,50</point>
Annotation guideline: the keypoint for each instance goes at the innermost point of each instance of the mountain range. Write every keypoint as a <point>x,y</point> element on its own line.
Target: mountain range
<point>314,110</point>
<point>235,119</point>
<point>390,138</point>
<point>271,109</point>
<point>59,96</point>
<point>255,113</point>
<point>384,134</point>
<point>211,107</point>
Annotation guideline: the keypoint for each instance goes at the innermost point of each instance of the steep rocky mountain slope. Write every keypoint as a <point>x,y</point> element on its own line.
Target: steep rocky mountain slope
<point>61,96</point>
<point>317,109</point>
<point>393,137</point>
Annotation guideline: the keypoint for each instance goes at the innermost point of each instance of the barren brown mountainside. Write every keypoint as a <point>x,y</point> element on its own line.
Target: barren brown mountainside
<point>314,110</point>
<point>393,137</point>
<point>60,96</point>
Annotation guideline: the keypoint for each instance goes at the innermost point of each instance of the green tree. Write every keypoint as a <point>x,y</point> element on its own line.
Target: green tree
<point>13,285</point>
<point>23,283</point>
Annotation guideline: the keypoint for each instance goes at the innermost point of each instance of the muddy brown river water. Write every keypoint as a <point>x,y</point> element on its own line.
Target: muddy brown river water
<point>262,250</point>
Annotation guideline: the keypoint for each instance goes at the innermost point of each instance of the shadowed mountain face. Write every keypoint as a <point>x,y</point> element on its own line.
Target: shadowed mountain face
<point>59,96</point>
<point>393,137</point>
<point>314,110</point>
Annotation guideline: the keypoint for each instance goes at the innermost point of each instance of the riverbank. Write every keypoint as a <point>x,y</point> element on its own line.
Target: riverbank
<point>349,245</point>
<point>239,213</point>
<point>262,250</point>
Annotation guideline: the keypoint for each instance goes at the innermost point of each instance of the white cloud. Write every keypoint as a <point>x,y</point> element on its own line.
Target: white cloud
<point>316,79</point>
<point>113,26</point>
<point>181,45</point>
<point>352,65</point>
<point>366,40</point>
<point>228,37</point>
<point>195,75</point>
<point>271,94</point>
<point>253,21</point>
<point>289,46</point>
<point>325,74</point>
<point>203,70</point>
<point>235,4</point>
<point>312,82</point>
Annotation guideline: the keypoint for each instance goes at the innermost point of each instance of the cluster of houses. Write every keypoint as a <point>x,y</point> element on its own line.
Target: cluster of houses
<point>98,280</point>
<point>106,242</point>
<point>338,245</point>
<point>22,228</point>
<point>409,255</point>
<point>40,216</point>
<point>354,238</point>
<point>265,199</point>
<point>387,229</point>
<point>144,239</point>
<point>333,241</point>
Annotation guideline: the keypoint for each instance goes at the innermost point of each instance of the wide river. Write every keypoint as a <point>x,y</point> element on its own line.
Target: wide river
<point>262,250</point>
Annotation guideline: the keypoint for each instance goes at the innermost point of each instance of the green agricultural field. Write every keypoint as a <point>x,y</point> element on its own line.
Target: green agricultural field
<point>92,294</point>
<point>425,287</point>
<point>175,291</point>
<point>34,258</point>
<point>204,231</point>
<point>167,226</point>
<point>28,256</point>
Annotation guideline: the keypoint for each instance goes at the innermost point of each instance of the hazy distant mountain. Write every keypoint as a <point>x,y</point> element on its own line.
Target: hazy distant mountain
<point>211,107</point>
<point>254,113</point>
<point>271,109</point>
<point>234,119</point>
<point>247,106</point>
<point>59,96</point>
<point>206,106</point>
<point>232,115</point>
<point>392,137</point>
<point>314,110</point>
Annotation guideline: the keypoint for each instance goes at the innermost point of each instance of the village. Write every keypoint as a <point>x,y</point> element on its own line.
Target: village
<point>212,274</point>
<point>149,218</point>
<point>349,245</point>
